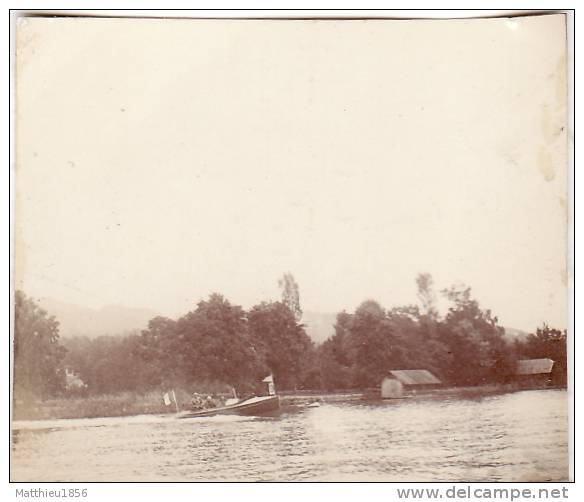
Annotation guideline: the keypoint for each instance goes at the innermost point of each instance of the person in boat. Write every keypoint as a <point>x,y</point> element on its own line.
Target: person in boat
<point>197,402</point>
<point>201,402</point>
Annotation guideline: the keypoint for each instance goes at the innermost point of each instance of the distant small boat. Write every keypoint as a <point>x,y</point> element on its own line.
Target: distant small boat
<point>257,405</point>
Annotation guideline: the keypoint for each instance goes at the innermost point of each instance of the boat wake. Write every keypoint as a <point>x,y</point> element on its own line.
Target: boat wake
<point>75,423</point>
<point>71,423</point>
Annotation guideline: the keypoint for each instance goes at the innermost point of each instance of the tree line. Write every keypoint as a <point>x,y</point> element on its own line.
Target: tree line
<point>218,345</point>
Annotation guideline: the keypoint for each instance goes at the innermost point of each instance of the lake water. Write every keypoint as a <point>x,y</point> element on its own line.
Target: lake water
<point>521,436</point>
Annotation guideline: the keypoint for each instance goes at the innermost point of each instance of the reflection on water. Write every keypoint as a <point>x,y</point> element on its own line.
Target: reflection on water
<point>513,437</point>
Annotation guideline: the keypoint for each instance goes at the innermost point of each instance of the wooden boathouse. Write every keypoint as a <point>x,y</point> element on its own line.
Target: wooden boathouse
<point>534,372</point>
<point>398,381</point>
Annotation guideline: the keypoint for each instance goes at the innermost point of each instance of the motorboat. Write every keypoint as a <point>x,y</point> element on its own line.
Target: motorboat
<point>257,405</point>
<point>251,406</point>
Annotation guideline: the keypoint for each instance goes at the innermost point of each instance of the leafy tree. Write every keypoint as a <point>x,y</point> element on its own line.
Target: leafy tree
<point>215,345</point>
<point>110,364</point>
<point>159,347</point>
<point>80,356</point>
<point>427,317</point>
<point>219,343</point>
<point>549,343</point>
<point>372,344</point>
<point>311,377</point>
<point>333,356</point>
<point>284,345</point>
<point>475,340</point>
<point>37,352</point>
<point>426,295</point>
<point>291,294</point>
<point>465,347</point>
<point>417,336</point>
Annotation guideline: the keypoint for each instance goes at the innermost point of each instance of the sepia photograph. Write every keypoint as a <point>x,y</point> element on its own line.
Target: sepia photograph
<point>291,248</point>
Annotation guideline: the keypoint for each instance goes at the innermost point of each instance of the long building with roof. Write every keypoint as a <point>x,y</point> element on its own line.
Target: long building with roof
<point>399,381</point>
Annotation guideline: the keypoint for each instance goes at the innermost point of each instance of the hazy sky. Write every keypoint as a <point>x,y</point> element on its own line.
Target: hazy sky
<point>159,161</point>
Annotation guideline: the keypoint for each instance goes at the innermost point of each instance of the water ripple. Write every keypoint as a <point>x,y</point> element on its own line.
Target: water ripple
<point>513,437</point>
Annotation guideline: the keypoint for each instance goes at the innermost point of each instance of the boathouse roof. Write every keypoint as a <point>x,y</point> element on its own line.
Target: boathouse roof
<point>534,366</point>
<point>415,377</point>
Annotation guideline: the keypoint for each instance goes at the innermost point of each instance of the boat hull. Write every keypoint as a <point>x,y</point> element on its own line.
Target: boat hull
<point>250,407</point>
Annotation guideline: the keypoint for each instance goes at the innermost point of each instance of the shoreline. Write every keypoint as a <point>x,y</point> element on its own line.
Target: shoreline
<point>127,405</point>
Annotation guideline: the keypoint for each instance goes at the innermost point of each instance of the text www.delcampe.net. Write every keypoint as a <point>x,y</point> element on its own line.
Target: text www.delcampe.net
<point>468,492</point>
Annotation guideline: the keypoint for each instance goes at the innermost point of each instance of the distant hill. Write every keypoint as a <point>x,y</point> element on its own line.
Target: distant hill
<point>515,334</point>
<point>117,320</point>
<point>84,321</point>
<point>75,320</point>
<point>318,325</point>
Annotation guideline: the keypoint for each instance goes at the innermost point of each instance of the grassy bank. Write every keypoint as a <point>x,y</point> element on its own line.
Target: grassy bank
<point>111,405</point>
